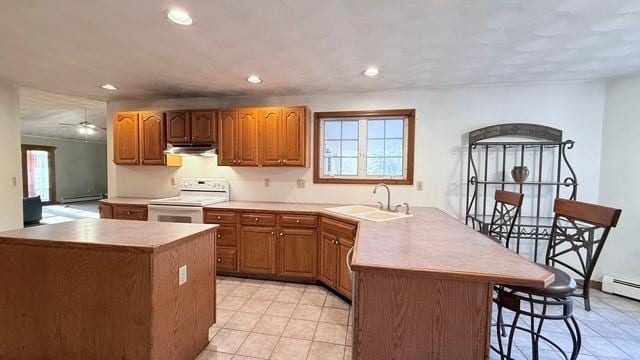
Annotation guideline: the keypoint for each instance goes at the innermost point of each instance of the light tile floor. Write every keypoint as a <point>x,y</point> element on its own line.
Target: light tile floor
<point>259,319</point>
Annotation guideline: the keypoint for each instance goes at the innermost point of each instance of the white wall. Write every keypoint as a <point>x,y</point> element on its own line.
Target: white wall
<point>11,169</point>
<point>443,119</point>
<point>619,177</point>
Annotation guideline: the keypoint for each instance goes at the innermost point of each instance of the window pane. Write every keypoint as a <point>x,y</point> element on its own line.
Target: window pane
<point>375,166</point>
<point>394,128</point>
<point>332,166</point>
<point>332,129</point>
<point>393,147</point>
<point>375,148</point>
<point>331,148</point>
<point>375,129</point>
<point>350,129</point>
<point>393,166</point>
<point>350,148</point>
<point>349,166</point>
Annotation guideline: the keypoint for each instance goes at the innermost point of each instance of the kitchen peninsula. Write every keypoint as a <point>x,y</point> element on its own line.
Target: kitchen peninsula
<point>422,285</point>
<point>107,289</point>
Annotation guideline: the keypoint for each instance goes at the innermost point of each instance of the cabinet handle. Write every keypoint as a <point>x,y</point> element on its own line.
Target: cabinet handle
<point>298,221</point>
<point>284,161</point>
<point>257,219</point>
<point>219,260</point>
<point>272,233</point>
<point>128,212</point>
<point>219,236</point>
<point>280,161</point>
<point>219,217</point>
<point>281,234</point>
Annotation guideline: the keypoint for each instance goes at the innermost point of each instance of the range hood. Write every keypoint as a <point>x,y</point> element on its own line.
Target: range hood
<point>193,150</point>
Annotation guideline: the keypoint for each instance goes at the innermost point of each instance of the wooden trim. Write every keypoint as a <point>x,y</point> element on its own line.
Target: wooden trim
<point>52,170</point>
<point>411,118</point>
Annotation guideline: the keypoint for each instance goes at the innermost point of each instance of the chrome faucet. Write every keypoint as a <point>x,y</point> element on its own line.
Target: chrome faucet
<point>388,196</point>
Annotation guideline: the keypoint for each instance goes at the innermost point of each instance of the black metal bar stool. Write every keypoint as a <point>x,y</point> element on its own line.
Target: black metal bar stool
<point>505,214</point>
<point>554,303</point>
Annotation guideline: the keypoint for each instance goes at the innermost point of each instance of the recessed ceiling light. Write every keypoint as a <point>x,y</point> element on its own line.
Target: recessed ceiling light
<point>372,71</point>
<point>179,17</point>
<point>254,79</point>
<point>109,87</point>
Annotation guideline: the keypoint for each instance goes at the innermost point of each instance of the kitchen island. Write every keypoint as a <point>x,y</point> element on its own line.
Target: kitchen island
<point>107,289</point>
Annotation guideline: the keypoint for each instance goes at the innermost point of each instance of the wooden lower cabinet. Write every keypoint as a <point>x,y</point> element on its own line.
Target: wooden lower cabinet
<point>328,258</point>
<point>258,249</point>
<point>226,259</point>
<point>130,212</point>
<point>106,211</point>
<point>297,253</point>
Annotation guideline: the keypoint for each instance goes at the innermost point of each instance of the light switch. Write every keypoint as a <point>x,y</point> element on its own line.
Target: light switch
<point>266,182</point>
<point>182,275</point>
<point>419,185</point>
<point>300,183</point>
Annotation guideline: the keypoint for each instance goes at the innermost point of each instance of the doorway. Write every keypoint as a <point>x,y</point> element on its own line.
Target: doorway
<point>39,172</point>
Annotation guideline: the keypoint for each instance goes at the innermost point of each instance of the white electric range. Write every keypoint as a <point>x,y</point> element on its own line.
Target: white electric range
<point>195,193</point>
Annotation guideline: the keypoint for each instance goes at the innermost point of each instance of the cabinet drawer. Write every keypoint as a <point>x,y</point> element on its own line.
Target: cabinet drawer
<point>296,220</point>
<point>226,259</point>
<point>257,219</point>
<point>339,227</point>
<point>226,236</point>
<point>219,217</point>
<point>130,212</point>
<point>106,211</point>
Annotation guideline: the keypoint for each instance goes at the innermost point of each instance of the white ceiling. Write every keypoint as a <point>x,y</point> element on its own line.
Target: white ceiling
<point>42,112</point>
<point>304,46</point>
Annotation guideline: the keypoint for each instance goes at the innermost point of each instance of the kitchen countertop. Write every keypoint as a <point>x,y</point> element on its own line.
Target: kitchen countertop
<point>138,235</point>
<point>126,201</point>
<point>430,243</point>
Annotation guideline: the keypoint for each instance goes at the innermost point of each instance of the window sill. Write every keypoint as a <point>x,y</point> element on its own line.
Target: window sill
<point>363,181</point>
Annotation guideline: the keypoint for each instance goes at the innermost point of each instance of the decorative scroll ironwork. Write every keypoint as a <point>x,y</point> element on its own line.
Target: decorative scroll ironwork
<point>502,221</point>
<point>530,233</point>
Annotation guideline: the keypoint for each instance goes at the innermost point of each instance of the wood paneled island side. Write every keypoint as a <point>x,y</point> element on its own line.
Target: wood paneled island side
<point>106,289</point>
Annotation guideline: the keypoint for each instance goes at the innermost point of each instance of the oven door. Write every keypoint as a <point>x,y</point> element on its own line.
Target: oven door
<point>175,213</point>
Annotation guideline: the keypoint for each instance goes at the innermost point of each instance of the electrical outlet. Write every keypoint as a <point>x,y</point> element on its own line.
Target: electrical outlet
<point>266,182</point>
<point>182,275</point>
<point>300,184</point>
<point>173,181</point>
<point>14,181</point>
<point>419,185</point>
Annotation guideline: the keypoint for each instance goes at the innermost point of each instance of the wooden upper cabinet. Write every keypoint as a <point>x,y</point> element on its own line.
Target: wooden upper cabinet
<point>228,137</point>
<point>152,138</point>
<point>203,127</point>
<point>178,127</point>
<point>258,249</point>
<point>125,140</point>
<point>248,137</point>
<point>270,124</point>
<point>294,136</point>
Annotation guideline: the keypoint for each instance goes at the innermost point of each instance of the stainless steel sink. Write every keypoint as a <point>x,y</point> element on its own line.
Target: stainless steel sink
<point>367,213</point>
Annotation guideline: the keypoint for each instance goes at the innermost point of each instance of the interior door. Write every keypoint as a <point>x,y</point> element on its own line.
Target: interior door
<point>270,121</point>
<point>228,141</point>
<point>258,249</point>
<point>248,137</point>
<point>293,136</point>
<point>178,127</point>
<point>39,172</point>
<point>328,254</point>
<point>126,144</point>
<point>203,127</point>
<point>297,252</point>
<point>152,138</point>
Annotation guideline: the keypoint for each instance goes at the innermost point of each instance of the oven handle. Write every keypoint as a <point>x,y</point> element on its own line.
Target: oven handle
<point>174,207</point>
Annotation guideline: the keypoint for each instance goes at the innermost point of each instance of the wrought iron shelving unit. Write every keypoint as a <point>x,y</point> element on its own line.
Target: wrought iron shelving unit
<point>490,160</point>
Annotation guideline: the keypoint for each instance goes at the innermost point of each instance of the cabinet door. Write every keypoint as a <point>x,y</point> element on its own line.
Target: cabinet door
<point>270,121</point>
<point>297,252</point>
<point>226,259</point>
<point>178,127</point>
<point>203,127</point>
<point>328,258</point>
<point>294,136</point>
<point>257,249</point>
<point>344,283</point>
<point>248,137</point>
<point>125,140</point>
<point>152,138</point>
<point>228,137</point>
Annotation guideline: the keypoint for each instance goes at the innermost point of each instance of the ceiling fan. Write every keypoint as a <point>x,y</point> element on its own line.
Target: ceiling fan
<point>85,127</point>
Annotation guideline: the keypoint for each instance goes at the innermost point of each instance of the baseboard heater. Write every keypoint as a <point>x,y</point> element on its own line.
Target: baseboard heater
<point>74,199</point>
<point>619,286</point>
